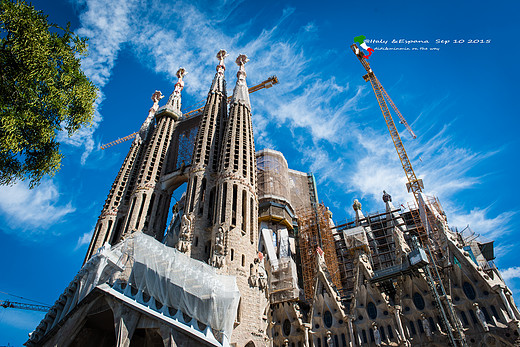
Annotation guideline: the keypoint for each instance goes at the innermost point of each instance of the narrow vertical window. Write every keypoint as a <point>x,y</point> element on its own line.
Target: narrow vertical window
<point>244,211</point>
<point>193,190</point>
<point>202,196</point>
<point>211,203</point>
<point>149,212</point>
<point>234,206</point>
<point>224,197</point>
<point>251,221</point>
<point>108,231</point>
<point>117,233</point>
<point>138,220</point>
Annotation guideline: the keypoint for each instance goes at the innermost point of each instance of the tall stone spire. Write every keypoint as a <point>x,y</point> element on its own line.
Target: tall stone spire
<point>194,238</point>
<point>234,247</point>
<point>146,203</point>
<point>110,222</point>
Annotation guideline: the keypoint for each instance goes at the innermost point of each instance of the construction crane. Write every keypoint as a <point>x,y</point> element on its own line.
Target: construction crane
<point>268,83</point>
<point>415,186</point>
<point>24,306</point>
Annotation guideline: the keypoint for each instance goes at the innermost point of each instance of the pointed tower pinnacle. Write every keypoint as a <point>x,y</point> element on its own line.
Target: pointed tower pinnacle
<point>240,93</point>
<point>173,105</point>
<point>143,132</point>
<point>219,84</point>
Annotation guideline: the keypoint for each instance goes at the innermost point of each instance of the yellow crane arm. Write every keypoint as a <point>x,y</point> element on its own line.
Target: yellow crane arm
<point>268,83</point>
<point>118,141</point>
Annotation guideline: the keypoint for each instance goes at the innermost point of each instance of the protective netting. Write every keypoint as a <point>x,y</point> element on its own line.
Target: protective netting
<point>283,281</point>
<point>299,188</point>
<point>184,283</point>
<point>272,176</point>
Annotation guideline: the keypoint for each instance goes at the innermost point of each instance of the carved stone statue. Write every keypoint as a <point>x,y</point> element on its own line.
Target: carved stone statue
<point>330,343</point>
<point>426,326</point>
<point>184,237</point>
<point>218,258</point>
<point>481,317</point>
<point>377,334</point>
<point>386,197</point>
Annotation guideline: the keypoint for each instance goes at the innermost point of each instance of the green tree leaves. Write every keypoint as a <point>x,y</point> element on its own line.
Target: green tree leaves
<point>42,91</point>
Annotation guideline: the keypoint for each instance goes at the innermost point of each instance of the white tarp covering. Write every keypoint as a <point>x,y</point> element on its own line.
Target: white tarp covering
<point>184,283</point>
<point>284,243</point>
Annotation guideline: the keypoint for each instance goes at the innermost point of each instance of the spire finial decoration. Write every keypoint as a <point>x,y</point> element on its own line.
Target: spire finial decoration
<point>143,132</point>
<point>356,205</point>
<point>386,197</point>
<point>241,93</point>
<point>219,84</point>
<point>174,102</point>
<point>241,62</point>
<point>221,55</point>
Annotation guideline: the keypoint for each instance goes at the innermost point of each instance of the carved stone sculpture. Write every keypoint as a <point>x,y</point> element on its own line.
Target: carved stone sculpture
<point>218,257</point>
<point>481,317</point>
<point>184,237</point>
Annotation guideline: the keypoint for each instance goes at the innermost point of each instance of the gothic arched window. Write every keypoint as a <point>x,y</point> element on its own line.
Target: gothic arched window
<point>469,290</point>
<point>418,301</point>
<point>371,310</point>
<point>286,327</point>
<point>327,319</point>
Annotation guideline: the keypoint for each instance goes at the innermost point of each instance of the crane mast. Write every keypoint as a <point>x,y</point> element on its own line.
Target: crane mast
<point>415,186</point>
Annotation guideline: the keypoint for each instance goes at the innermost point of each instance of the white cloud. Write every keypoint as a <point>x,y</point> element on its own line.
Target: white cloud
<point>84,239</point>
<point>33,209</point>
<point>510,273</point>
<point>481,223</point>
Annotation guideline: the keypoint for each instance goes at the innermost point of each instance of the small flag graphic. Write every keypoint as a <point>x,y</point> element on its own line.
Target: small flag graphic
<point>361,40</point>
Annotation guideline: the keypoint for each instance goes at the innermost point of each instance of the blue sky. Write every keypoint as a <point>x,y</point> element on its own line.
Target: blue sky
<point>460,99</point>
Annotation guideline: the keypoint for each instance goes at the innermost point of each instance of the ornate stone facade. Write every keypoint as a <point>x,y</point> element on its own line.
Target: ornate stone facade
<point>397,278</point>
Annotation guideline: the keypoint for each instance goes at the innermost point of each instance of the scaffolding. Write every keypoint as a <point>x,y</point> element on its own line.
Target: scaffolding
<point>372,235</point>
<point>283,281</point>
<point>315,231</point>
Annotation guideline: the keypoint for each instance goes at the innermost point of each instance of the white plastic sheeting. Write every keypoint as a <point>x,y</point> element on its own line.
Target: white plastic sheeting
<point>184,283</point>
<point>284,243</point>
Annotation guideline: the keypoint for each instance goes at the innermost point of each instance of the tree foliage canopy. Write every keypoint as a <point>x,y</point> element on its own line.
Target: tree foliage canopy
<point>42,92</point>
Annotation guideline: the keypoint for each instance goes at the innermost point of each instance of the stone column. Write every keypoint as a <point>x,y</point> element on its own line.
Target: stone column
<point>307,329</point>
<point>397,311</point>
<point>352,338</point>
<point>125,321</point>
<point>506,303</point>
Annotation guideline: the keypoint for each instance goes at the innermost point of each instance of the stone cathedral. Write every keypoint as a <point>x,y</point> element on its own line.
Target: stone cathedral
<point>250,257</point>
